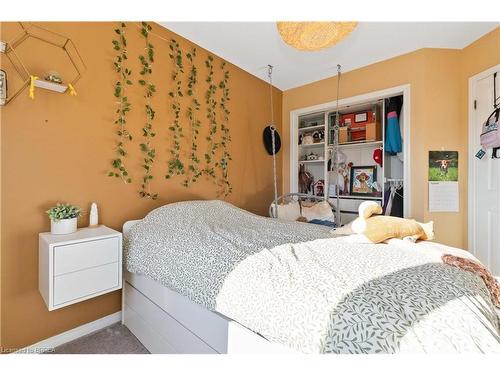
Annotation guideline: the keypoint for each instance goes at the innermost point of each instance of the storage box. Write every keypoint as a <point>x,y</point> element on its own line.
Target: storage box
<point>373,132</point>
<point>358,133</point>
<point>347,119</point>
<point>343,135</point>
<point>357,123</point>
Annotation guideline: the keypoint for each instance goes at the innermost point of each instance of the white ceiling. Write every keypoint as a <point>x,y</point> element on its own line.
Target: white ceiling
<point>253,45</point>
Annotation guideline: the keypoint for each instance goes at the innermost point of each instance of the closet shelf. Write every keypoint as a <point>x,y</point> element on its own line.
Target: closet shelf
<point>313,144</point>
<point>357,197</point>
<point>359,144</point>
<point>311,161</point>
<point>310,128</point>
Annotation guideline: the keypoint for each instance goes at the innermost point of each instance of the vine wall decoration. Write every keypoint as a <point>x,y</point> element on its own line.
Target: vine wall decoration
<point>193,172</point>
<point>226,136</point>
<point>119,168</point>
<point>211,103</point>
<point>217,96</point>
<point>147,131</point>
<point>175,165</point>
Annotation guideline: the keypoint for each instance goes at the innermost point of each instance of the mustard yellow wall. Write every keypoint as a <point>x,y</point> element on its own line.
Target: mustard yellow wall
<point>58,148</point>
<point>438,79</point>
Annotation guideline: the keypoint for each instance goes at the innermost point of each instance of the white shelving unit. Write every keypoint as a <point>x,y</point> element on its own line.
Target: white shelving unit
<point>360,153</point>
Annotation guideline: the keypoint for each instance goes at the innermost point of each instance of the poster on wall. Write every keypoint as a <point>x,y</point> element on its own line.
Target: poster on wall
<point>443,165</point>
<point>443,181</point>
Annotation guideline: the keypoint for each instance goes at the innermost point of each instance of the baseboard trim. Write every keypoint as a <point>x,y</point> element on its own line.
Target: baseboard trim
<point>73,334</point>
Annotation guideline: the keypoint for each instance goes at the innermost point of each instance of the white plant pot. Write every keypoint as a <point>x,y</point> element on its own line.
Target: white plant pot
<point>64,226</point>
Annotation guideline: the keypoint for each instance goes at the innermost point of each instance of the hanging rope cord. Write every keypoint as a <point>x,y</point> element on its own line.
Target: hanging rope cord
<point>334,152</point>
<point>273,136</point>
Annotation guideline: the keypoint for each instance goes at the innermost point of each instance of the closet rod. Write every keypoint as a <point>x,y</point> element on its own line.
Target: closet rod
<point>394,180</point>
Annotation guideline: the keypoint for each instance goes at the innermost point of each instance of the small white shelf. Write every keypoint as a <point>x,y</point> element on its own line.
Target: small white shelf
<point>314,144</point>
<point>42,84</point>
<point>311,128</point>
<point>311,161</point>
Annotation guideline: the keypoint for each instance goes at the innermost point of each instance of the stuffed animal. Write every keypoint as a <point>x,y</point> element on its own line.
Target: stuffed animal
<point>378,228</point>
<point>306,180</point>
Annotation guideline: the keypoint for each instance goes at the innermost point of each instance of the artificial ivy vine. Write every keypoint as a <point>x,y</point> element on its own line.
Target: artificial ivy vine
<point>226,137</point>
<point>147,131</point>
<point>211,105</point>
<point>193,172</point>
<point>119,168</point>
<point>175,165</point>
<point>217,96</point>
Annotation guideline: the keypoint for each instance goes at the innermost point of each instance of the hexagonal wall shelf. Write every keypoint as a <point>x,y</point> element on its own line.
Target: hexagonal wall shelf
<point>38,33</point>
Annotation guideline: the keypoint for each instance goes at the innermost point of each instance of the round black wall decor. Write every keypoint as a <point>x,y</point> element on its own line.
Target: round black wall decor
<point>268,140</point>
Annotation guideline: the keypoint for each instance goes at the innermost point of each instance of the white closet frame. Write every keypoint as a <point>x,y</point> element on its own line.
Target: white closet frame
<point>353,101</point>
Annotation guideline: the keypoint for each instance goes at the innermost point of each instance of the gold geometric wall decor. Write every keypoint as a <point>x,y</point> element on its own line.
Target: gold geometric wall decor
<point>38,33</point>
<point>20,70</point>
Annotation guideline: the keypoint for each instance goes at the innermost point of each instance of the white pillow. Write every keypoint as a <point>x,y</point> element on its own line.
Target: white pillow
<point>289,211</point>
<point>319,211</point>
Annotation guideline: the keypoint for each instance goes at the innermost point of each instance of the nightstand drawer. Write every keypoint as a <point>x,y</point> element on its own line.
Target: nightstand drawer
<point>83,255</point>
<point>86,283</point>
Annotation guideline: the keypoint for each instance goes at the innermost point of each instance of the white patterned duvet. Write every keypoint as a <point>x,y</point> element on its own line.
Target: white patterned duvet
<point>296,285</point>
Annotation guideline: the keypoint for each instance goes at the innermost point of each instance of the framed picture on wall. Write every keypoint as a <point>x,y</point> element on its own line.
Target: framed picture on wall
<point>443,165</point>
<point>362,179</point>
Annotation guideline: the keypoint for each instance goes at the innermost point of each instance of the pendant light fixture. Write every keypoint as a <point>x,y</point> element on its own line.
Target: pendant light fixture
<point>314,36</point>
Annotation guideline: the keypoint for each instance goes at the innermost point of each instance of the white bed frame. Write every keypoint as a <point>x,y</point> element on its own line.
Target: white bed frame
<point>167,322</point>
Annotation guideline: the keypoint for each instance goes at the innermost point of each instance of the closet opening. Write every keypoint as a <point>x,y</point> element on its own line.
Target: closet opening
<point>372,153</point>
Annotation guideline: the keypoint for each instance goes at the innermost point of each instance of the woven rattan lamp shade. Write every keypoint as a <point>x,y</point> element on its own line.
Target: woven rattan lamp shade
<point>313,36</point>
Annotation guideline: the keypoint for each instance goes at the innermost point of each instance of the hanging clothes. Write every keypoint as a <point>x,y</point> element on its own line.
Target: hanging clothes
<point>388,208</point>
<point>397,203</point>
<point>393,202</point>
<point>393,142</point>
<point>387,195</point>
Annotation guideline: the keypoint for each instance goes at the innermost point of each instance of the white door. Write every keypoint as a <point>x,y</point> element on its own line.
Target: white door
<point>484,178</point>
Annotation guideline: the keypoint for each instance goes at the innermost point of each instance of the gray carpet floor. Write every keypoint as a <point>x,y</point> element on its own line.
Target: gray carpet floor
<point>115,339</point>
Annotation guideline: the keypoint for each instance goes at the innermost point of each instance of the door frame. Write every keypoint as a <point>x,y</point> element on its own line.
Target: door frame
<point>471,212</point>
<point>404,90</point>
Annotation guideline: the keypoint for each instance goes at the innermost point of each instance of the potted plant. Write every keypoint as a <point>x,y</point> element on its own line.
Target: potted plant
<point>63,218</point>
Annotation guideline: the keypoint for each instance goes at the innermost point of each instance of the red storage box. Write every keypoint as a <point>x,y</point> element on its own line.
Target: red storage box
<point>356,122</point>
<point>347,120</point>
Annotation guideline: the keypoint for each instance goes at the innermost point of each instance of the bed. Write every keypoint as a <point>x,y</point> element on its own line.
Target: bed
<point>208,277</point>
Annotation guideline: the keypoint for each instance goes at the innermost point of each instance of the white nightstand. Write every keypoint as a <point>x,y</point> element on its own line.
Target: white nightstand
<point>78,266</point>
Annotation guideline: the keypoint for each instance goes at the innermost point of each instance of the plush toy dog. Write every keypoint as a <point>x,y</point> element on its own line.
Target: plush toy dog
<point>379,228</point>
